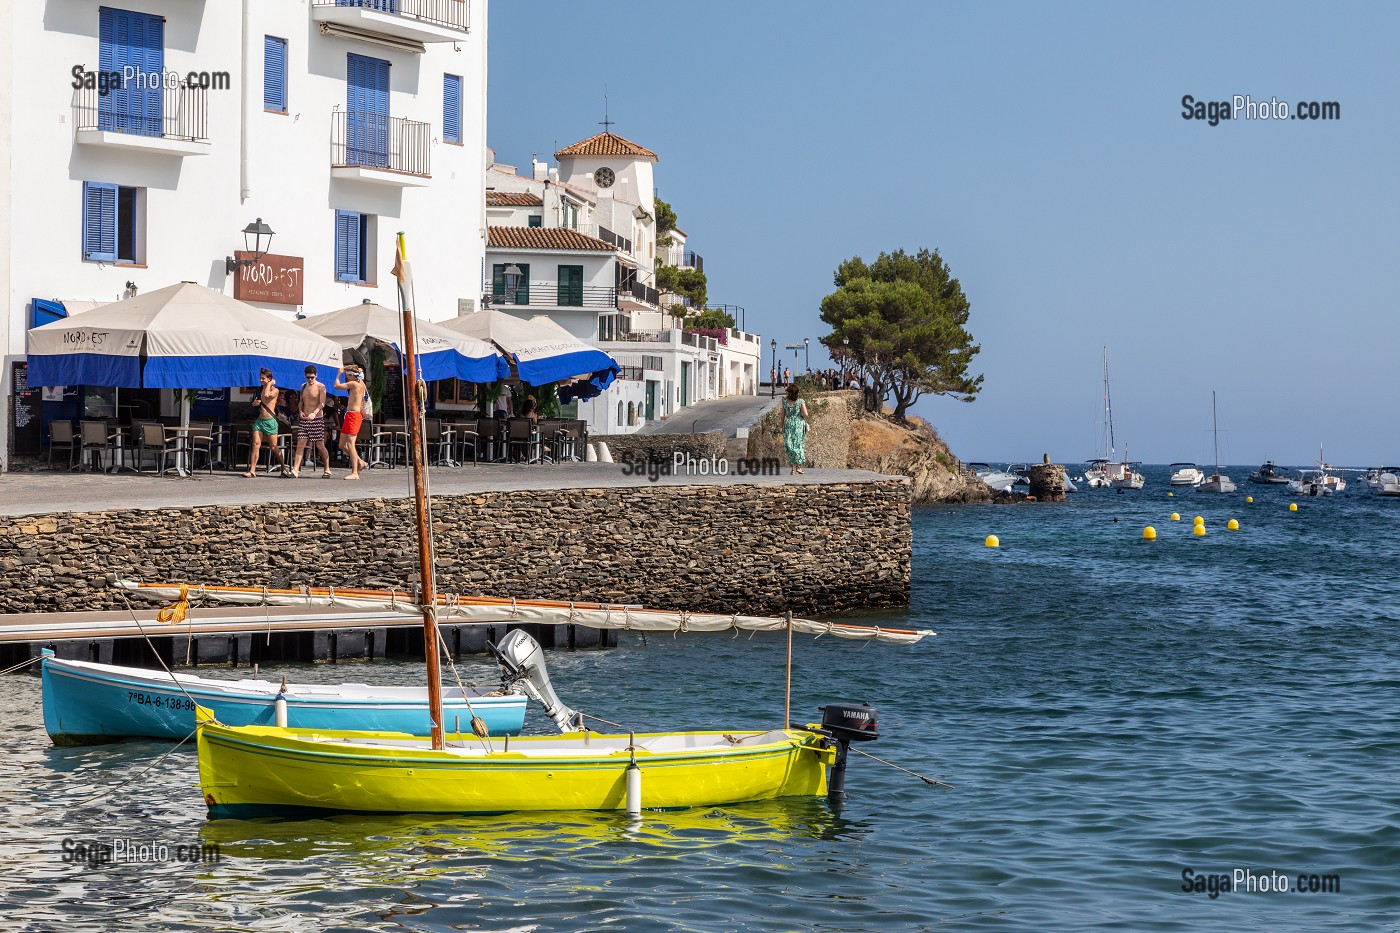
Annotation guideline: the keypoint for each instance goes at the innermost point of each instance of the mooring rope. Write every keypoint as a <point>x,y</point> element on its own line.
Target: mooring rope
<point>110,790</point>
<point>11,670</point>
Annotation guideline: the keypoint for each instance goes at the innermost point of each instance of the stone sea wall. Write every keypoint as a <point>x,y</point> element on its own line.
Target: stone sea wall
<point>728,548</point>
<point>662,448</point>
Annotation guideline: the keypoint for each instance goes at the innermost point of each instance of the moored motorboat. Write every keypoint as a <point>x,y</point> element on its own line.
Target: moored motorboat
<point>1269,474</point>
<point>996,480</point>
<point>1185,473</point>
<point>1387,483</point>
<point>1317,482</point>
<point>1096,473</point>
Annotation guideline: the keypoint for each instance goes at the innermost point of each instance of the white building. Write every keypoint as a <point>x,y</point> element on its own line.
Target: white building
<point>581,238</point>
<point>336,122</point>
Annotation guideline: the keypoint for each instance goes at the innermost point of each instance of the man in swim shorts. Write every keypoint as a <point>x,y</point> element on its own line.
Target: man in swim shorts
<point>350,380</point>
<point>266,424</point>
<point>311,424</point>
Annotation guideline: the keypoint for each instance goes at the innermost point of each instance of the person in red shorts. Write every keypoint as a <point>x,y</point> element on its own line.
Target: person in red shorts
<point>351,380</point>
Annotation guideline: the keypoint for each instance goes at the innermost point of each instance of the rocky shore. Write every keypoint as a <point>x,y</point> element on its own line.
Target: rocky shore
<point>845,436</point>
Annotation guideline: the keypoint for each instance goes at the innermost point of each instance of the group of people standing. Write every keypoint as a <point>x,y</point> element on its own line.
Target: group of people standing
<point>313,406</point>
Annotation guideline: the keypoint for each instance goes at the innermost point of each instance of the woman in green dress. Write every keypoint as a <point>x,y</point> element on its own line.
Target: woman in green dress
<point>795,430</point>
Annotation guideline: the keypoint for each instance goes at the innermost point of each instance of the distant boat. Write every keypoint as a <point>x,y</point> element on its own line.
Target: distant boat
<point>1318,482</point>
<point>996,480</point>
<point>1096,474</point>
<point>1217,481</point>
<point>1388,482</point>
<point>1186,474</point>
<point>1270,474</point>
<point>1125,475</point>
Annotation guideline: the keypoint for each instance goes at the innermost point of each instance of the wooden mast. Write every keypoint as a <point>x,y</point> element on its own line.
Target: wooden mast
<point>427,594</point>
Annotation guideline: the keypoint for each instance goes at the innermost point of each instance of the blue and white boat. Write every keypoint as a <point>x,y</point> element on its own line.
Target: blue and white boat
<point>86,703</point>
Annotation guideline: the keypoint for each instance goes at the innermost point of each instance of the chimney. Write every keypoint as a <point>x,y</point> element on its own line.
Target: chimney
<point>541,169</point>
<point>554,175</point>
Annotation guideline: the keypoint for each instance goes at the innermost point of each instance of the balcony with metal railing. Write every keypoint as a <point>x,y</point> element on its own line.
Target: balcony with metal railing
<point>169,120</point>
<point>555,295</point>
<point>380,149</point>
<point>406,20</point>
<point>634,296</point>
<point>607,236</point>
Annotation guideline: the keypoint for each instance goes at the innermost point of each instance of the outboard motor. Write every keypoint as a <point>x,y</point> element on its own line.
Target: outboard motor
<point>522,663</point>
<point>845,723</point>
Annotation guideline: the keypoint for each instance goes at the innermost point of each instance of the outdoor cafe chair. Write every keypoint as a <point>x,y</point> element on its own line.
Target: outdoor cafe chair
<point>200,443</point>
<point>441,440</point>
<point>524,438</point>
<point>387,446</point>
<point>61,437</point>
<point>468,440</point>
<point>97,441</point>
<point>155,442</point>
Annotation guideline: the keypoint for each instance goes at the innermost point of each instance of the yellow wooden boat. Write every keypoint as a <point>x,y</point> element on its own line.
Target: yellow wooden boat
<point>262,770</point>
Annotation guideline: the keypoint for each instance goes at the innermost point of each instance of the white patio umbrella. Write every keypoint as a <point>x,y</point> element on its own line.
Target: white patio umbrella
<point>182,336</point>
<point>442,353</point>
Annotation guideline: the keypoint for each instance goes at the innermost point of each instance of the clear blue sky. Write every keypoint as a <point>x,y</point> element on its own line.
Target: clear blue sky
<point>1041,148</point>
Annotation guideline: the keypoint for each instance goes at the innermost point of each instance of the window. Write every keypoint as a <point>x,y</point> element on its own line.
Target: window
<point>352,253</point>
<point>136,41</point>
<point>274,74</point>
<point>568,214</point>
<point>571,286</point>
<point>111,215</point>
<point>452,109</point>
<point>521,295</point>
<point>536,220</point>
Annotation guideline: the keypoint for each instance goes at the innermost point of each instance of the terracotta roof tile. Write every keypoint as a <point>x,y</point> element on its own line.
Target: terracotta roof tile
<point>512,199</point>
<point>606,144</point>
<point>543,238</point>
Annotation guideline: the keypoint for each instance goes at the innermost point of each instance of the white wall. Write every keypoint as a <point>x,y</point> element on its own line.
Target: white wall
<point>194,207</point>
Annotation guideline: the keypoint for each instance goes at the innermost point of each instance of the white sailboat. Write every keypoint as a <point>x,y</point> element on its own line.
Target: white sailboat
<point>1108,471</point>
<point>1216,482</point>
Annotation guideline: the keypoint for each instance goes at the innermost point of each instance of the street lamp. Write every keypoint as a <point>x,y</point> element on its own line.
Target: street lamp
<point>512,275</point>
<point>773,375</point>
<point>253,242</point>
<point>807,348</point>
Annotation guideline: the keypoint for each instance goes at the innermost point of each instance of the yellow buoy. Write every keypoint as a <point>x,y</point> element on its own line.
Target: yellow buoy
<point>1149,533</point>
<point>1199,531</point>
<point>1170,494</point>
<point>1233,524</point>
<point>1292,506</point>
<point>992,541</point>
<point>1176,517</point>
<point>1199,520</point>
<point>1248,498</point>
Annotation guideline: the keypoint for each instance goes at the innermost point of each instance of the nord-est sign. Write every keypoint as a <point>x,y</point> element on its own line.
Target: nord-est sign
<point>274,279</point>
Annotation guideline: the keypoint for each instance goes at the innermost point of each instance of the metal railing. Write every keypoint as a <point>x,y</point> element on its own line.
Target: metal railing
<point>646,336</point>
<point>643,293</point>
<point>607,236</point>
<point>693,260</point>
<point>632,373</point>
<point>550,295</point>
<point>373,140</point>
<point>453,13</point>
<point>162,112</point>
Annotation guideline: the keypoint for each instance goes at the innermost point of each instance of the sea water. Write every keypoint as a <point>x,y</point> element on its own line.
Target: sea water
<point>1125,722</point>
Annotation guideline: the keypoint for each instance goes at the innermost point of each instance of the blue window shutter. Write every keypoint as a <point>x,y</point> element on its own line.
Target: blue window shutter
<point>452,108</point>
<point>347,247</point>
<point>274,74</point>
<point>135,40</point>
<point>99,221</point>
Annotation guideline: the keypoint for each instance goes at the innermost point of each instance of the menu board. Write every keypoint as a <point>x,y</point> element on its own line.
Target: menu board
<point>27,434</point>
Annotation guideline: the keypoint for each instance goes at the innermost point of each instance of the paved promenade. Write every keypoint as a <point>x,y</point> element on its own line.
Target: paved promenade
<point>725,415</point>
<point>41,493</point>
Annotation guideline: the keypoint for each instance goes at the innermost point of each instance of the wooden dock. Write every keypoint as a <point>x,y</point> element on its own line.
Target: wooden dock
<point>241,636</point>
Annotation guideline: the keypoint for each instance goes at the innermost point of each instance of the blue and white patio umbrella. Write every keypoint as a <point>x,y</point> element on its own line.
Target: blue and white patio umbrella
<point>442,353</point>
<point>183,336</point>
<point>542,350</point>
